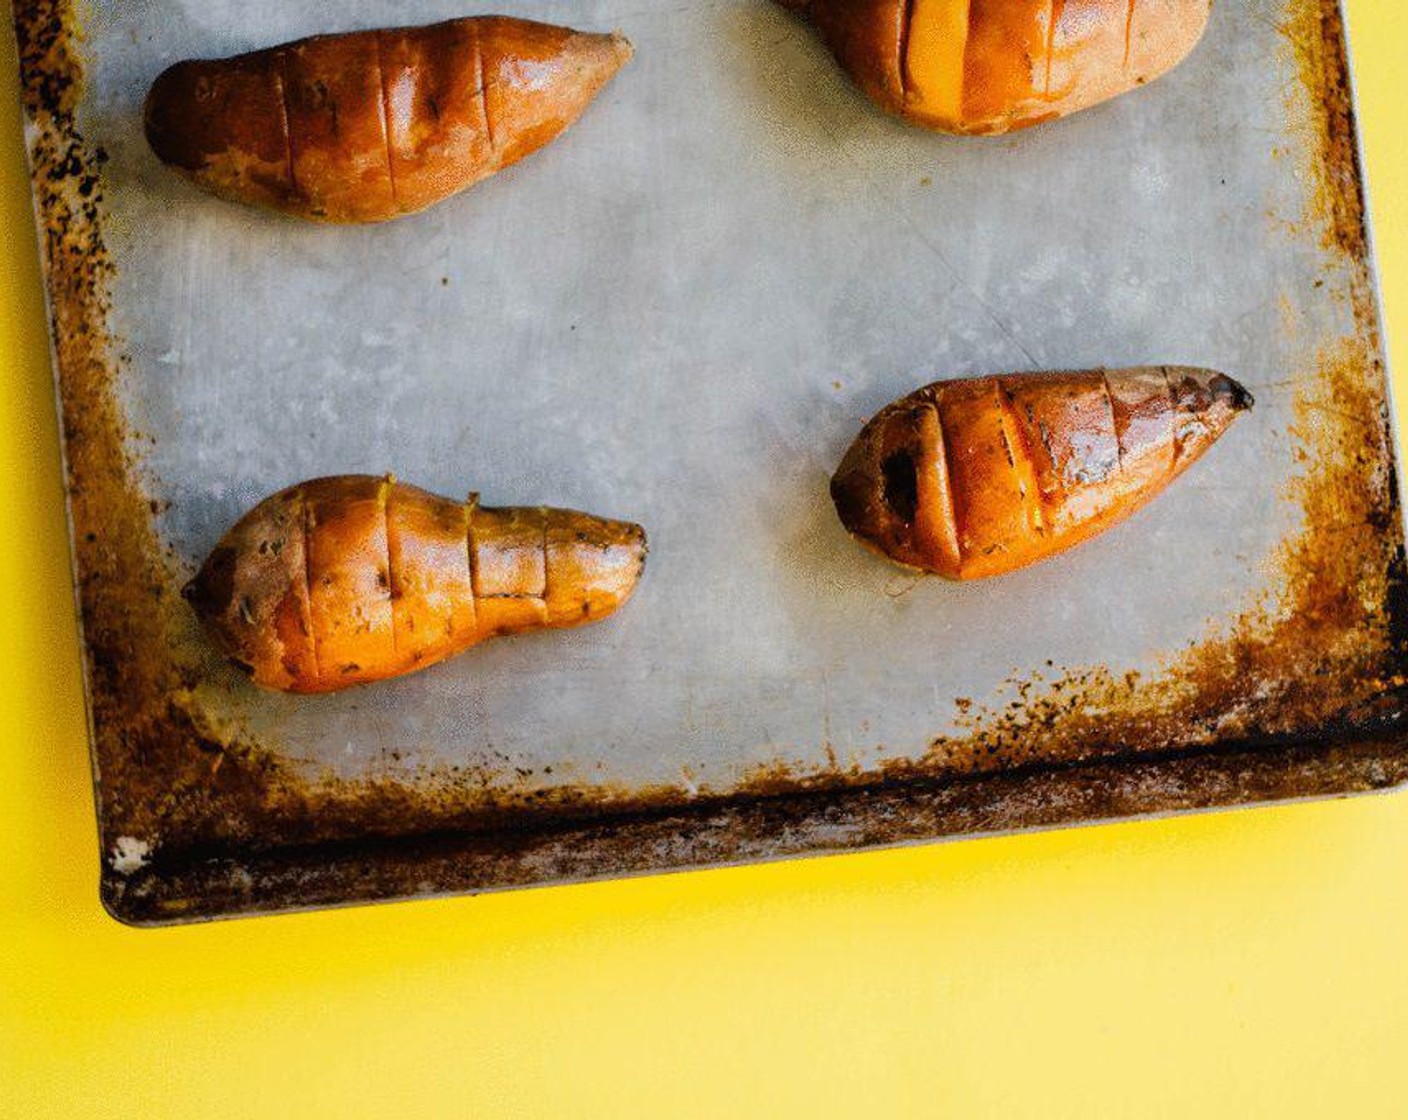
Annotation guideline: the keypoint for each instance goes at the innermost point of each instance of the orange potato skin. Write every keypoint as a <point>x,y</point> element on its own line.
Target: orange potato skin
<point>1024,61</point>
<point>370,125</point>
<point>977,477</point>
<point>352,579</point>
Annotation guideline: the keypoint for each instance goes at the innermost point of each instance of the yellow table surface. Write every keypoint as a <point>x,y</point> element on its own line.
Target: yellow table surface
<point>1234,964</point>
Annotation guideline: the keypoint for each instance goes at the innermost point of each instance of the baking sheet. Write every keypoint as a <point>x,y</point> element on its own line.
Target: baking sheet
<point>680,313</point>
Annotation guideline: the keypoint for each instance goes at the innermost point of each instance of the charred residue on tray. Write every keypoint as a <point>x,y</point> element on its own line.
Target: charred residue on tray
<point>155,772</point>
<point>1326,646</point>
<point>1313,34</point>
<point>124,577</point>
<point>225,823</point>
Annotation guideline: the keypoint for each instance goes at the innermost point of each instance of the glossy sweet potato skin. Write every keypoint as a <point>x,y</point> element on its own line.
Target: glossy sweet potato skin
<point>978,477</point>
<point>370,125</point>
<point>983,67</point>
<point>351,579</point>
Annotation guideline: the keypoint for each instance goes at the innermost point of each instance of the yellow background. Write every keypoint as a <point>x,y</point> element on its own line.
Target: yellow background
<point>1248,963</point>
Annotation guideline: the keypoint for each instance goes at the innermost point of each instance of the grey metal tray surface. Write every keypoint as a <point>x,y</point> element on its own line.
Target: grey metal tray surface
<point>680,313</point>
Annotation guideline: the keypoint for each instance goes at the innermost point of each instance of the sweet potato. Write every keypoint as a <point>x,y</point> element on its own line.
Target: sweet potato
<point>978,477</point>
<point>370,125</point>
<point>992,66</point>
<point>345,580</point>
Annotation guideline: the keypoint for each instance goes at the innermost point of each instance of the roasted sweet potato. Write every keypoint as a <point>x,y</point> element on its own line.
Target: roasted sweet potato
<point>344,580</point>
<point>992,66</point>
<point>978,477</point>
<point>371,125</point>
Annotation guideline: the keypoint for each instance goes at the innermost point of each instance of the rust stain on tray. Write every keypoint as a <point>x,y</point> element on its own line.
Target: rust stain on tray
<point>1324,648</point>
<point>1274,704</point>
<point>125,579</point>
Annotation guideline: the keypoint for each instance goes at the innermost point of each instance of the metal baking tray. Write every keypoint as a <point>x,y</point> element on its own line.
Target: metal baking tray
<point>680,313</point>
